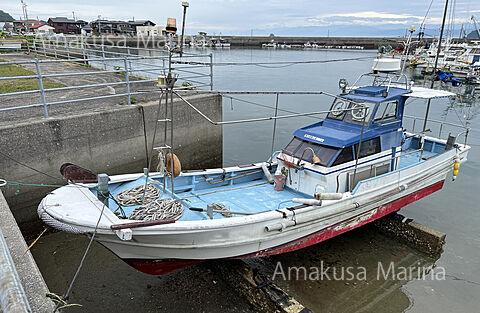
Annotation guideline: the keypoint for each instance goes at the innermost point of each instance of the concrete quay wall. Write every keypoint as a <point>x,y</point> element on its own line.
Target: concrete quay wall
<point>109,140</point>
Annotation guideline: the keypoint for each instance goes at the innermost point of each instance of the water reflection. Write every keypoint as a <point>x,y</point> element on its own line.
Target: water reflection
<point>465,105</point>
<point>360,250</point>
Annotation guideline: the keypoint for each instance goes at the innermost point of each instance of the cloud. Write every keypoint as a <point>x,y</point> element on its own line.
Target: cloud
<point>379,15</point>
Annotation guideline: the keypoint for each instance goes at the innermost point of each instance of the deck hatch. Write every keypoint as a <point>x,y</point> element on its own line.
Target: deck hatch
<point>371,90</point>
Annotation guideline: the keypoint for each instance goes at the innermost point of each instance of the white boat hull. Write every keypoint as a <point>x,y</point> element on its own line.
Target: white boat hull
<point>163,248</point>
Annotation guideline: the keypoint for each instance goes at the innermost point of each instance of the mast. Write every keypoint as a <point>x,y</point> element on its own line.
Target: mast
<point>476,26</point>
<point>436,62</point>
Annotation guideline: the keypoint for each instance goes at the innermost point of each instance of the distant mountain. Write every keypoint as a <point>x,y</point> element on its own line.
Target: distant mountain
<point>5,17</point>
<point>351,30</point>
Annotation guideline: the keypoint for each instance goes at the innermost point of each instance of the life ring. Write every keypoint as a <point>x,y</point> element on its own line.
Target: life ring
<point>358,111</point>
<point>338,108</point>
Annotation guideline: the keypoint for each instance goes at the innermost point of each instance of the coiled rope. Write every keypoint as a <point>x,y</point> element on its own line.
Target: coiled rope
<point>134,196</point>
<point>153,208</point>
<point>159,209</point>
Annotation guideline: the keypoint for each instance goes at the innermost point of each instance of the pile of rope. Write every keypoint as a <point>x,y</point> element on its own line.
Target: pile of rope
<point>134,196</point>
<point>159,209</point>
<point>153,208</point>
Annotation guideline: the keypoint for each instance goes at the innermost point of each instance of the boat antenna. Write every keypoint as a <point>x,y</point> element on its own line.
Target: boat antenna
<point>436,63</point>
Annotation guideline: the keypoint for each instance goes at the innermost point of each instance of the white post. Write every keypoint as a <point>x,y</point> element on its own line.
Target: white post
<point>40,86</point>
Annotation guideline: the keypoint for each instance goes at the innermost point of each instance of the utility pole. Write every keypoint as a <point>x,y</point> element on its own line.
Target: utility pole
<point>25,15</point>
<point>73,13</point>
<point>99,30</point>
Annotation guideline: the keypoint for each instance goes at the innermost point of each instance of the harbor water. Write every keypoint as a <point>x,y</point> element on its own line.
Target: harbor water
<point>453,210</point>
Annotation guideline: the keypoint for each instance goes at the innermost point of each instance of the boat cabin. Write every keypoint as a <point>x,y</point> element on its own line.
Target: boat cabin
<point>325,156</point>
<point>335,139</point>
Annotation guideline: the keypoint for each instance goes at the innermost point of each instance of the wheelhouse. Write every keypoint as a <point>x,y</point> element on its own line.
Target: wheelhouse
<point>372,115</point>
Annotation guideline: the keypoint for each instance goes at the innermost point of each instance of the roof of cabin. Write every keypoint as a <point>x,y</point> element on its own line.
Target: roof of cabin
<point>341,134</point>
<point>329,134</point>
<point>374,93</point>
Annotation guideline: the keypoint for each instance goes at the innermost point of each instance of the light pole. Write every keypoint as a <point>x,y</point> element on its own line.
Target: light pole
<point>185,5</point>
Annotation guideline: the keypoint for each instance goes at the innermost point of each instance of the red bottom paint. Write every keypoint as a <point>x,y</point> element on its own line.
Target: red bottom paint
<point>159,267</point>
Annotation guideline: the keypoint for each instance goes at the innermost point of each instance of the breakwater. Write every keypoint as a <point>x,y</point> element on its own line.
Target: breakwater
<point>256,41</point>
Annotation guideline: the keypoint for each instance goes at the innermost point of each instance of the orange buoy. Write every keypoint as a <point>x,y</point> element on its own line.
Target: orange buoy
<point>177,166</point>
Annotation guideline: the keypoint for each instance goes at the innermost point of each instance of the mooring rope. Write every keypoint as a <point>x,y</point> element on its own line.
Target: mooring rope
<point>62,304</point>
<point>222,209</point>
<point>161,162</point>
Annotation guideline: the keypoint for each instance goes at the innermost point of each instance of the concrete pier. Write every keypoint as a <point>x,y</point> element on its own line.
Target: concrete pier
<point>419,236</point>
<point>30,277</point>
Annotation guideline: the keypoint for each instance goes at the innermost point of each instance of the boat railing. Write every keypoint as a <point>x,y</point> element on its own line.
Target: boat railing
<point>441,124</point>
<point>374,165</point>
<point>387,80</point>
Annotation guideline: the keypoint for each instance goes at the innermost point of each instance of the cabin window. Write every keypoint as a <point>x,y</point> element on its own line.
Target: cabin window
<point>337,110</point>
<point>386,111</point>
<point>359,112</point>
<point>345,156</point>
<point>369,147</point>
<point>296,148</point>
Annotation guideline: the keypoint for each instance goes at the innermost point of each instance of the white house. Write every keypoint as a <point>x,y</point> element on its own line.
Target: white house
<point>42,29</point>
<point>45,29</point>
<point>150,31</point>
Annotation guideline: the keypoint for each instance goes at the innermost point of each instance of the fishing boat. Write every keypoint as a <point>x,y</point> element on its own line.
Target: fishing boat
<point>271,44</point>
<point>219,43</point>
<point>356,165</point>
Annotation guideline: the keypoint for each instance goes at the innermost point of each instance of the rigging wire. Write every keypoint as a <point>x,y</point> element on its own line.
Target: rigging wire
<point>266,106</point>
<point>27,166</point>
<point>421,31</point>
<point>69,290</point>
<point>278,63</point>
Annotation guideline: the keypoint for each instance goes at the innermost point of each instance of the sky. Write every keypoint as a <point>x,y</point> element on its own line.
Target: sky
<point>262,17</point>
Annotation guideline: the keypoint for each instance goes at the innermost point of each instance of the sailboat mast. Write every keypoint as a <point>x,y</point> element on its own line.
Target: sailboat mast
<point>436,62</point>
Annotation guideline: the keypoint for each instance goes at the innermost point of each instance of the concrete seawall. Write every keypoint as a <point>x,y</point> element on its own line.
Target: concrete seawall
<point>108,140</point>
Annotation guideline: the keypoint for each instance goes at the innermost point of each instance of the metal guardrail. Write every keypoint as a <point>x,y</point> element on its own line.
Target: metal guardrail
<point>12,294</point>
<point>134,68</point>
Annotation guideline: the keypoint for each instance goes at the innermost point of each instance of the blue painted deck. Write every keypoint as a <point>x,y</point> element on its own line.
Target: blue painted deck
<point>250,200</point>
<point>253,199</point>
<point>430,149</point>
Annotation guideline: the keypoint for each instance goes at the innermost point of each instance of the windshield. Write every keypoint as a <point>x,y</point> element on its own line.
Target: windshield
<point>351,112</point>
<point>302,149</point>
